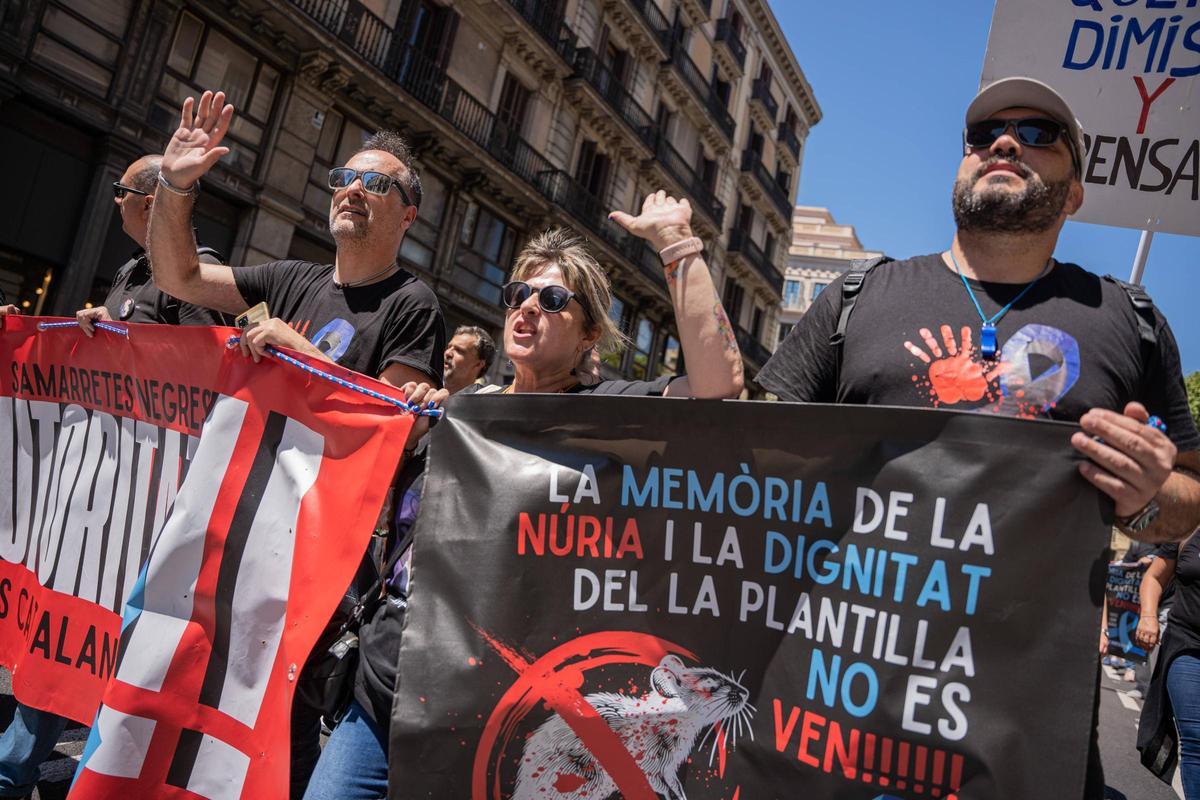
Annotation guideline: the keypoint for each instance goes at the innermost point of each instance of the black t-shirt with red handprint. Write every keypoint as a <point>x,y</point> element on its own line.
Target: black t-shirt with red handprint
<point>1069,345</point>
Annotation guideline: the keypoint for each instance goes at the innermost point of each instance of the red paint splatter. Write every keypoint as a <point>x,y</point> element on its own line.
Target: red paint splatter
<point>957,378</point>
<point>565,784</point>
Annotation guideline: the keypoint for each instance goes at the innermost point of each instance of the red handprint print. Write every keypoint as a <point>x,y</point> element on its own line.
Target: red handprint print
<point>954,376</point>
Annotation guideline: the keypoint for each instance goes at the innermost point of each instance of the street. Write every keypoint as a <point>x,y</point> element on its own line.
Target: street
<point>1127,779</point>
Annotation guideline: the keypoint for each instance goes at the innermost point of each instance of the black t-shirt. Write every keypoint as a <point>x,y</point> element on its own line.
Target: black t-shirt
<point>135,298</point>
<point>379,637</point>
<point>1185,594</point>
<point>1069,345</point>
<point>364,328</point>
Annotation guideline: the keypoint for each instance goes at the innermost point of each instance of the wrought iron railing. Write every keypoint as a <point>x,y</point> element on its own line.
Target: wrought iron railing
<point>564,190</point>
<point>678,167</point>
<point>787,135</point>
<point>425,80</point>
<point>751,347</point>
<point>740,242</point>
<point>779,196</point>
<point>549,25</point>
<point>702,88</point>
<point>654,19</point>
<point>589,68</point>
<point>728,35</point>
<point>651,265</point>
<point>761,91</point>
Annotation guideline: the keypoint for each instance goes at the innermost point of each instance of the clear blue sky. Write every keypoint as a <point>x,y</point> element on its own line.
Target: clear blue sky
<point>893,80</point>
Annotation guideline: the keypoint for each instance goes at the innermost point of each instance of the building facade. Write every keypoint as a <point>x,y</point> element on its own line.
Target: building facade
<point>821,251</point>
<point>524,114</point>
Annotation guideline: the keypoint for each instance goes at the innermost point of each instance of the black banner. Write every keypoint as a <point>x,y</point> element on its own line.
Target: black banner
<point>642,597</point>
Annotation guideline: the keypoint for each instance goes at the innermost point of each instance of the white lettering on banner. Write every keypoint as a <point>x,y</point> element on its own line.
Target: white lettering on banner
<point>165,608</point>
<point>82,482</point>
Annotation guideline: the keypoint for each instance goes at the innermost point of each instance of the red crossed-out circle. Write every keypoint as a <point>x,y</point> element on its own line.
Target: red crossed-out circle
<point>556,679</point>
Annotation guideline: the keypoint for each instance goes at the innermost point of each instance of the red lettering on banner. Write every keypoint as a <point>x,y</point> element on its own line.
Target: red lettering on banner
<point>1147,99</point>
<point>579,535</point>
<point>833,748</point>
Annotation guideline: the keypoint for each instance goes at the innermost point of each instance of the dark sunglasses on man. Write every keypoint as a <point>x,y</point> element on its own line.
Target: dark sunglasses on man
<point>1030,132</point>
<point>377,183</point>
<point>120,190</point>
<point>552,298</point>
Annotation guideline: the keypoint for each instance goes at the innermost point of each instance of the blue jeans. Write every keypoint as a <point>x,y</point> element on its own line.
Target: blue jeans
<point>353,765</point>
<point>1183,686</point>
<point>26,743</point>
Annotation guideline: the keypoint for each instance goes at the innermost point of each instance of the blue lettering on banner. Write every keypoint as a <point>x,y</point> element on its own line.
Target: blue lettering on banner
<point>1149,46</point>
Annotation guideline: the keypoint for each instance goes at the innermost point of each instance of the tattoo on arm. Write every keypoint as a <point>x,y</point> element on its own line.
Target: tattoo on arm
<point>671,271</point>
<point>723,326</point>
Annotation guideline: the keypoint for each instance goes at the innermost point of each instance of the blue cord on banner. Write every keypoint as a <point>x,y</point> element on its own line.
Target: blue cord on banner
<point>413,408</point>
<point>104,326</point>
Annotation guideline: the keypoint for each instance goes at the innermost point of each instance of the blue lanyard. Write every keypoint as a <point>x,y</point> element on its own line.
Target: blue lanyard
<point>987,331</point>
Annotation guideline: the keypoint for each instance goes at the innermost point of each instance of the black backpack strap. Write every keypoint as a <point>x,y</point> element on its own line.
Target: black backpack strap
<point>1143,308</point>
<point>851,286</point>
<point>204,250</point>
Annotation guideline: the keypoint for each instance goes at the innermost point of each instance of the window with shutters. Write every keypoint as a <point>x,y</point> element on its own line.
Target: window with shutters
<point>514,100</point>
<point>592,169</point>
<point>485,252</point>
<point>203,56</point>
<point>82,39</point>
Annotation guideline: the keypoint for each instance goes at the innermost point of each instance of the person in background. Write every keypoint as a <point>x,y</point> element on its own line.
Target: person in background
<point>32,735</point>
<point>134,296</point>
<point>1169,730</point>
<point>468,357</point>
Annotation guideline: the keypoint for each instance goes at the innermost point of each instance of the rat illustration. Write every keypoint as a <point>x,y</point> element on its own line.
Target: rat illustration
<point>659,730</point>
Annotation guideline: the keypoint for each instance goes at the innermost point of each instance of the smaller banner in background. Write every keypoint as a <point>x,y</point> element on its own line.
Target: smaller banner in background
<point>1124,608</point>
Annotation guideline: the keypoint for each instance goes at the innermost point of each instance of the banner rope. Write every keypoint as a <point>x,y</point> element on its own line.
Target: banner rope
<point>412,408</point>
<point>105,326</point>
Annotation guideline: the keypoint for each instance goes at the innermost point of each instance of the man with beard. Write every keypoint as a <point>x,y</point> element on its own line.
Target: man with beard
<point>364,312</point>
<point>996,324</point>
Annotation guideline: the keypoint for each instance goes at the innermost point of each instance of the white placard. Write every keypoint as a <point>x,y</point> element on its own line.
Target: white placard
<point>1128,69</point>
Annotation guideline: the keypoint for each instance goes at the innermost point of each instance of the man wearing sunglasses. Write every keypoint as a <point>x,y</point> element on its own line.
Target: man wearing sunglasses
<point>995,324</point>
<point>134,297</point>
<point>364,312</point>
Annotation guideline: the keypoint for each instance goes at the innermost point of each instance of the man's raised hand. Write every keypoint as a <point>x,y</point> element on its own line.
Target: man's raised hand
<point>196,145</point>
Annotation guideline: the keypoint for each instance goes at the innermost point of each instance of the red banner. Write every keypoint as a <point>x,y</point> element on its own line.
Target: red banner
<point>224,551</point>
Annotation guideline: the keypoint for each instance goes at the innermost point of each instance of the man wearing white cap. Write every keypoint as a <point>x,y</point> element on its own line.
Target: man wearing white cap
<point>995,324</point>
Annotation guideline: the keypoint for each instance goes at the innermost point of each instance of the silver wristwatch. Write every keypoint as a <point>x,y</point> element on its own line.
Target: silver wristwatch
<point>1140,520</point>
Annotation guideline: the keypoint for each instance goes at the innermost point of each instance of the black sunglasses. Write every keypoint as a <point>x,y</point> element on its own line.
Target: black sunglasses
<point>120,190</point>
<point>1031,132</point>
<point>373,182</point>
<point>552,298</point>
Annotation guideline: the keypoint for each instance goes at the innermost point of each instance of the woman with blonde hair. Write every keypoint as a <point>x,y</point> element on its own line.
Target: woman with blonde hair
<point>558,315</point>
<point>558,311</point>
